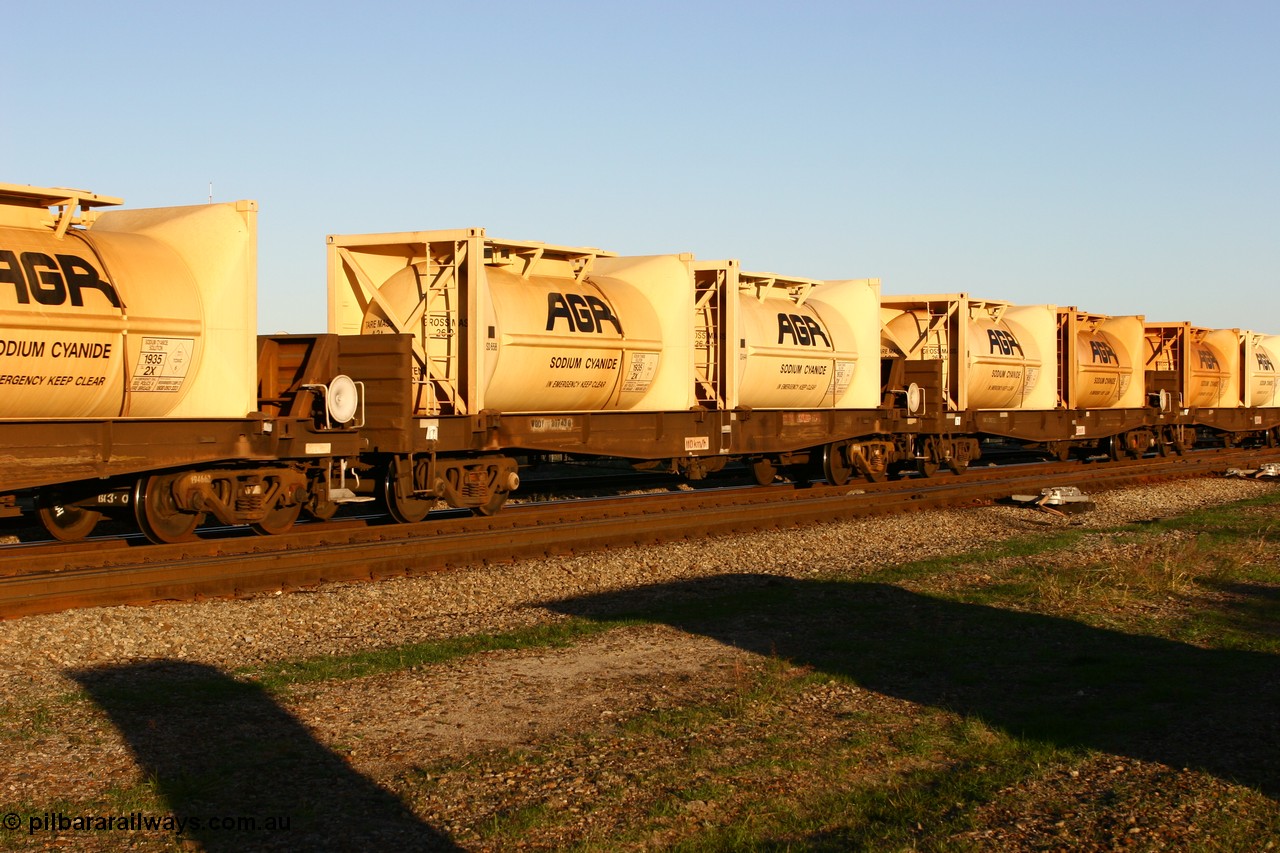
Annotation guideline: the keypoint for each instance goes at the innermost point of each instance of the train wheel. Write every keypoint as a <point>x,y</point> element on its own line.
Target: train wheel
<point>68,523</point>
<point>835,465</point>
<point>278,520</point>
<point>404,510</point>
<point>158,515</point>
<point>764,471</point>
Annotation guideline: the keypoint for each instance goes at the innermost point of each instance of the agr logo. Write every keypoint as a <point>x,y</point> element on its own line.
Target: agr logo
<point>52,280</point>
<point>582,313</point>
<point>803,331</point>
<point>1103,353</point>
<point>1003,342</point>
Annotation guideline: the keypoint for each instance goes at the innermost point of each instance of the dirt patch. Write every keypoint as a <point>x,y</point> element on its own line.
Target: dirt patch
<point>513,699</point>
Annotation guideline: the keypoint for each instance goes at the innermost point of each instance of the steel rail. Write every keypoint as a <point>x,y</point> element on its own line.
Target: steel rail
<point>60,577</point>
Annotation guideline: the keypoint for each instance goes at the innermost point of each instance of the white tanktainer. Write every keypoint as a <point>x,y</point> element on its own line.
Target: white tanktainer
<point>789,356</point>
<point>1099,358</point>
<point>520,327</point>
<point>1260,363</point>
<point>791,343</point>
<point>131,314</point>
<point>994,355</point>
<point>1193,367</point>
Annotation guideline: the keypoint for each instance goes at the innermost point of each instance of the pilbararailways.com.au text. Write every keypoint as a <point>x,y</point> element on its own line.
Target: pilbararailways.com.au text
<point>55,822</point>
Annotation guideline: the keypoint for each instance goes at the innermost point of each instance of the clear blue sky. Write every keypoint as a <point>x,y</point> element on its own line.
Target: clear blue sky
<point>1118,156</point>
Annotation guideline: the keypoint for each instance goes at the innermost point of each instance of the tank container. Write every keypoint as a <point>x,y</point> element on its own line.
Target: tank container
<point>1099,360</point>
<point>789,343</point>
<point>130,313</point>
<point>1204,362</point>
<point>520,327</point>
<point>856,302</point>
<point>995,355</point>
<point>1259,360</point>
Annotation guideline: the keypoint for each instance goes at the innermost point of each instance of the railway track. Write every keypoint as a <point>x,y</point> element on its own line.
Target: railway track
<point>49,577</point>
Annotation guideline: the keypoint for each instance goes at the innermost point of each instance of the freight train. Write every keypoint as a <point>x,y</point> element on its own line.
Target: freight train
<point>132,384</point>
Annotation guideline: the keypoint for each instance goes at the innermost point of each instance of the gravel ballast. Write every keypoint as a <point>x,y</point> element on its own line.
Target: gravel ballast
<point>344,618</point>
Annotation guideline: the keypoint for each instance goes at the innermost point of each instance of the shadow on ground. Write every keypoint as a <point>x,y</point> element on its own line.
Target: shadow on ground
<point>218,748</point>
<point>1035,676</point>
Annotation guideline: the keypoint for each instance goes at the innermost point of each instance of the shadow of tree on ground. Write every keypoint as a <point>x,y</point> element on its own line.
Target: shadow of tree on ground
<point>218,748</point>
<point>1035,676</point>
